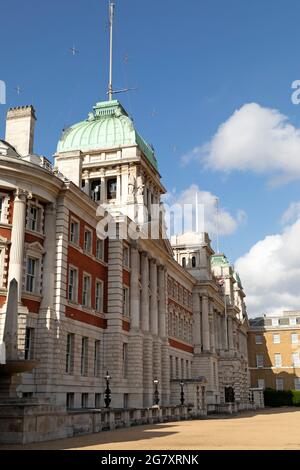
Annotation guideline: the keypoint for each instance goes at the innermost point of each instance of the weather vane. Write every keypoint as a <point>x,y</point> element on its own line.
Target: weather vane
<point>74,51</point>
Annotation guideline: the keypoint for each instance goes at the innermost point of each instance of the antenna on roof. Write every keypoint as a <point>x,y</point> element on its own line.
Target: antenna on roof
<point>111,91</point>
<point>217,224</point>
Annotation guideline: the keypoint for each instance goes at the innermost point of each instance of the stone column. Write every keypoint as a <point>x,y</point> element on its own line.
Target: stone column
<point>197,322</point>
<point>135,288</point>
<point>230,334</point>
<point>205,324</point>
<point>46,336</point>
<point>212,326</point>
<point>103,189</point>
<point>145,321</point>
<point>118,186</point>
<point>162,324</point>
<point>17,241</point>
<point>153,298</point>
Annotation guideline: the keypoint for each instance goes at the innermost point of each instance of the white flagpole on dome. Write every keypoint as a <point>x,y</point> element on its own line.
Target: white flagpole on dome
<point>111,23</point>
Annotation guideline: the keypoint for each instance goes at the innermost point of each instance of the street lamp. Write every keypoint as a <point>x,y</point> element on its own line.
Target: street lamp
<point>156,393</point>
<point>182,400</point>
<point>107,399</point>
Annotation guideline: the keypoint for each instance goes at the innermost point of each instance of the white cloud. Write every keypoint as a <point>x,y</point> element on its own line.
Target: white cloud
<point>254,139</point>
<point>292,213</point>
<point>270,272</point>
<point>228,223</point>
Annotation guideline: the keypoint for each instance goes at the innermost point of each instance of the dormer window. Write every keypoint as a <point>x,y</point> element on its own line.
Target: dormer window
<point>112,189</point>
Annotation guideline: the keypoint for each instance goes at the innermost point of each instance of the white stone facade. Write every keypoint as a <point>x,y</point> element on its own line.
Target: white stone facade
<point>155,319</point>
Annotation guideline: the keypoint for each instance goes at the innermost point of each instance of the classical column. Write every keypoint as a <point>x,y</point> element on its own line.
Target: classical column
<point>49,259</point>
<point>145,321</point>
<point>153,298</point>
<point>212,326</point>
<point>162,325</point>
<point>197,320</point>
<point>135,288</point>
<point>119,185</point>
<point>17,240</point>
<point>230,334</point>
<point>205,324</point>
<point>103,189</point>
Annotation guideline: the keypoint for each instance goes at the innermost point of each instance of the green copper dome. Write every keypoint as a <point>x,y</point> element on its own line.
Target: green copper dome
<point>219,260</point>
<point>108,126</point>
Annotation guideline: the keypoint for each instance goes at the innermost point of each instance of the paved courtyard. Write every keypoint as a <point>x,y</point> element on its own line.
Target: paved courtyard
<point>268,429</point>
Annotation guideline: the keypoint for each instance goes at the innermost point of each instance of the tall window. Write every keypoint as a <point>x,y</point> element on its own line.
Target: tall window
<point>276,339</point>
<point>86,291</point>
<point>2,208</point>
<point>297,383</point>
<point>125,360</point>
<point>126,257</point>
<point>97,357</point>
<point>70,401</point>
<point>74,232</point>
<point>294,338</point>
<point>100,249</point>
<point>87,241</point>
<point>193,261</point>
<point>72,285</point>
<point>259,360</point>
<point>258,339</point>
<point>84,356</point>
<point>125,301</point>
<point>84,400</point>
<point>2,261</point>
<point>99,296</point>
<point>261,383</point>
<point>295,359</point>
<point>171,368</point>
<point>278,361</point>
<point>184,263</point>
<point>29,344</point>
<point>112,188</point>
<point>31,275</point>
<point>96,190</point>
<point>70,353</point>
<point>279,384</point>
<point>34,217</point>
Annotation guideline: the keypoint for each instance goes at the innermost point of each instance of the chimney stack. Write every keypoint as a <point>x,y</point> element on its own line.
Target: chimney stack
<point>20,123</point>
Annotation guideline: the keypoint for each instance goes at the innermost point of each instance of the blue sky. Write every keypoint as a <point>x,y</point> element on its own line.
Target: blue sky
<point>194,62</point>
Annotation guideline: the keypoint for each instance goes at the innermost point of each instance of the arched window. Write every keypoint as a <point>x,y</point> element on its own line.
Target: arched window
<point>193,261</point>
<point>184,262</point>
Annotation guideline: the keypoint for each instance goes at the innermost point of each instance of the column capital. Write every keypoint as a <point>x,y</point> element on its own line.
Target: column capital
<point>22,194</point>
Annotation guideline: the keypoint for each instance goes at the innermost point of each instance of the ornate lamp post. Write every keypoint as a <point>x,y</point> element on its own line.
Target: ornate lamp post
<point>182,400</point>
<point>107,399</point>
<point>156,393</point>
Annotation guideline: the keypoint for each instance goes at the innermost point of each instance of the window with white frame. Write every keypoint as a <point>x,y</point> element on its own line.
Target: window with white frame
<point>261,383</point>
<point>74,232</point>
<point>295,359</point>
<point>258,339</point>
<point>2,264</point>
<point>86,290</point>
<point>84,356</point>
<point>100,249</point>
<point>276,339</point>
<point>297,383</point>
<point>97,359</point>
<point>279,384</point>
<point>87,240</point>
<point>125,301</point>
<point>70,353</point>
<point>4,207</point>
<point>294,337</point>
<point>278,360</point>
<point>126,257</point>
<point>29,344</point>
<point>31,275</point>
<point>73,285</point>
<point>259,360</point>
<point>34,218</point>
<point>99,296</point>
